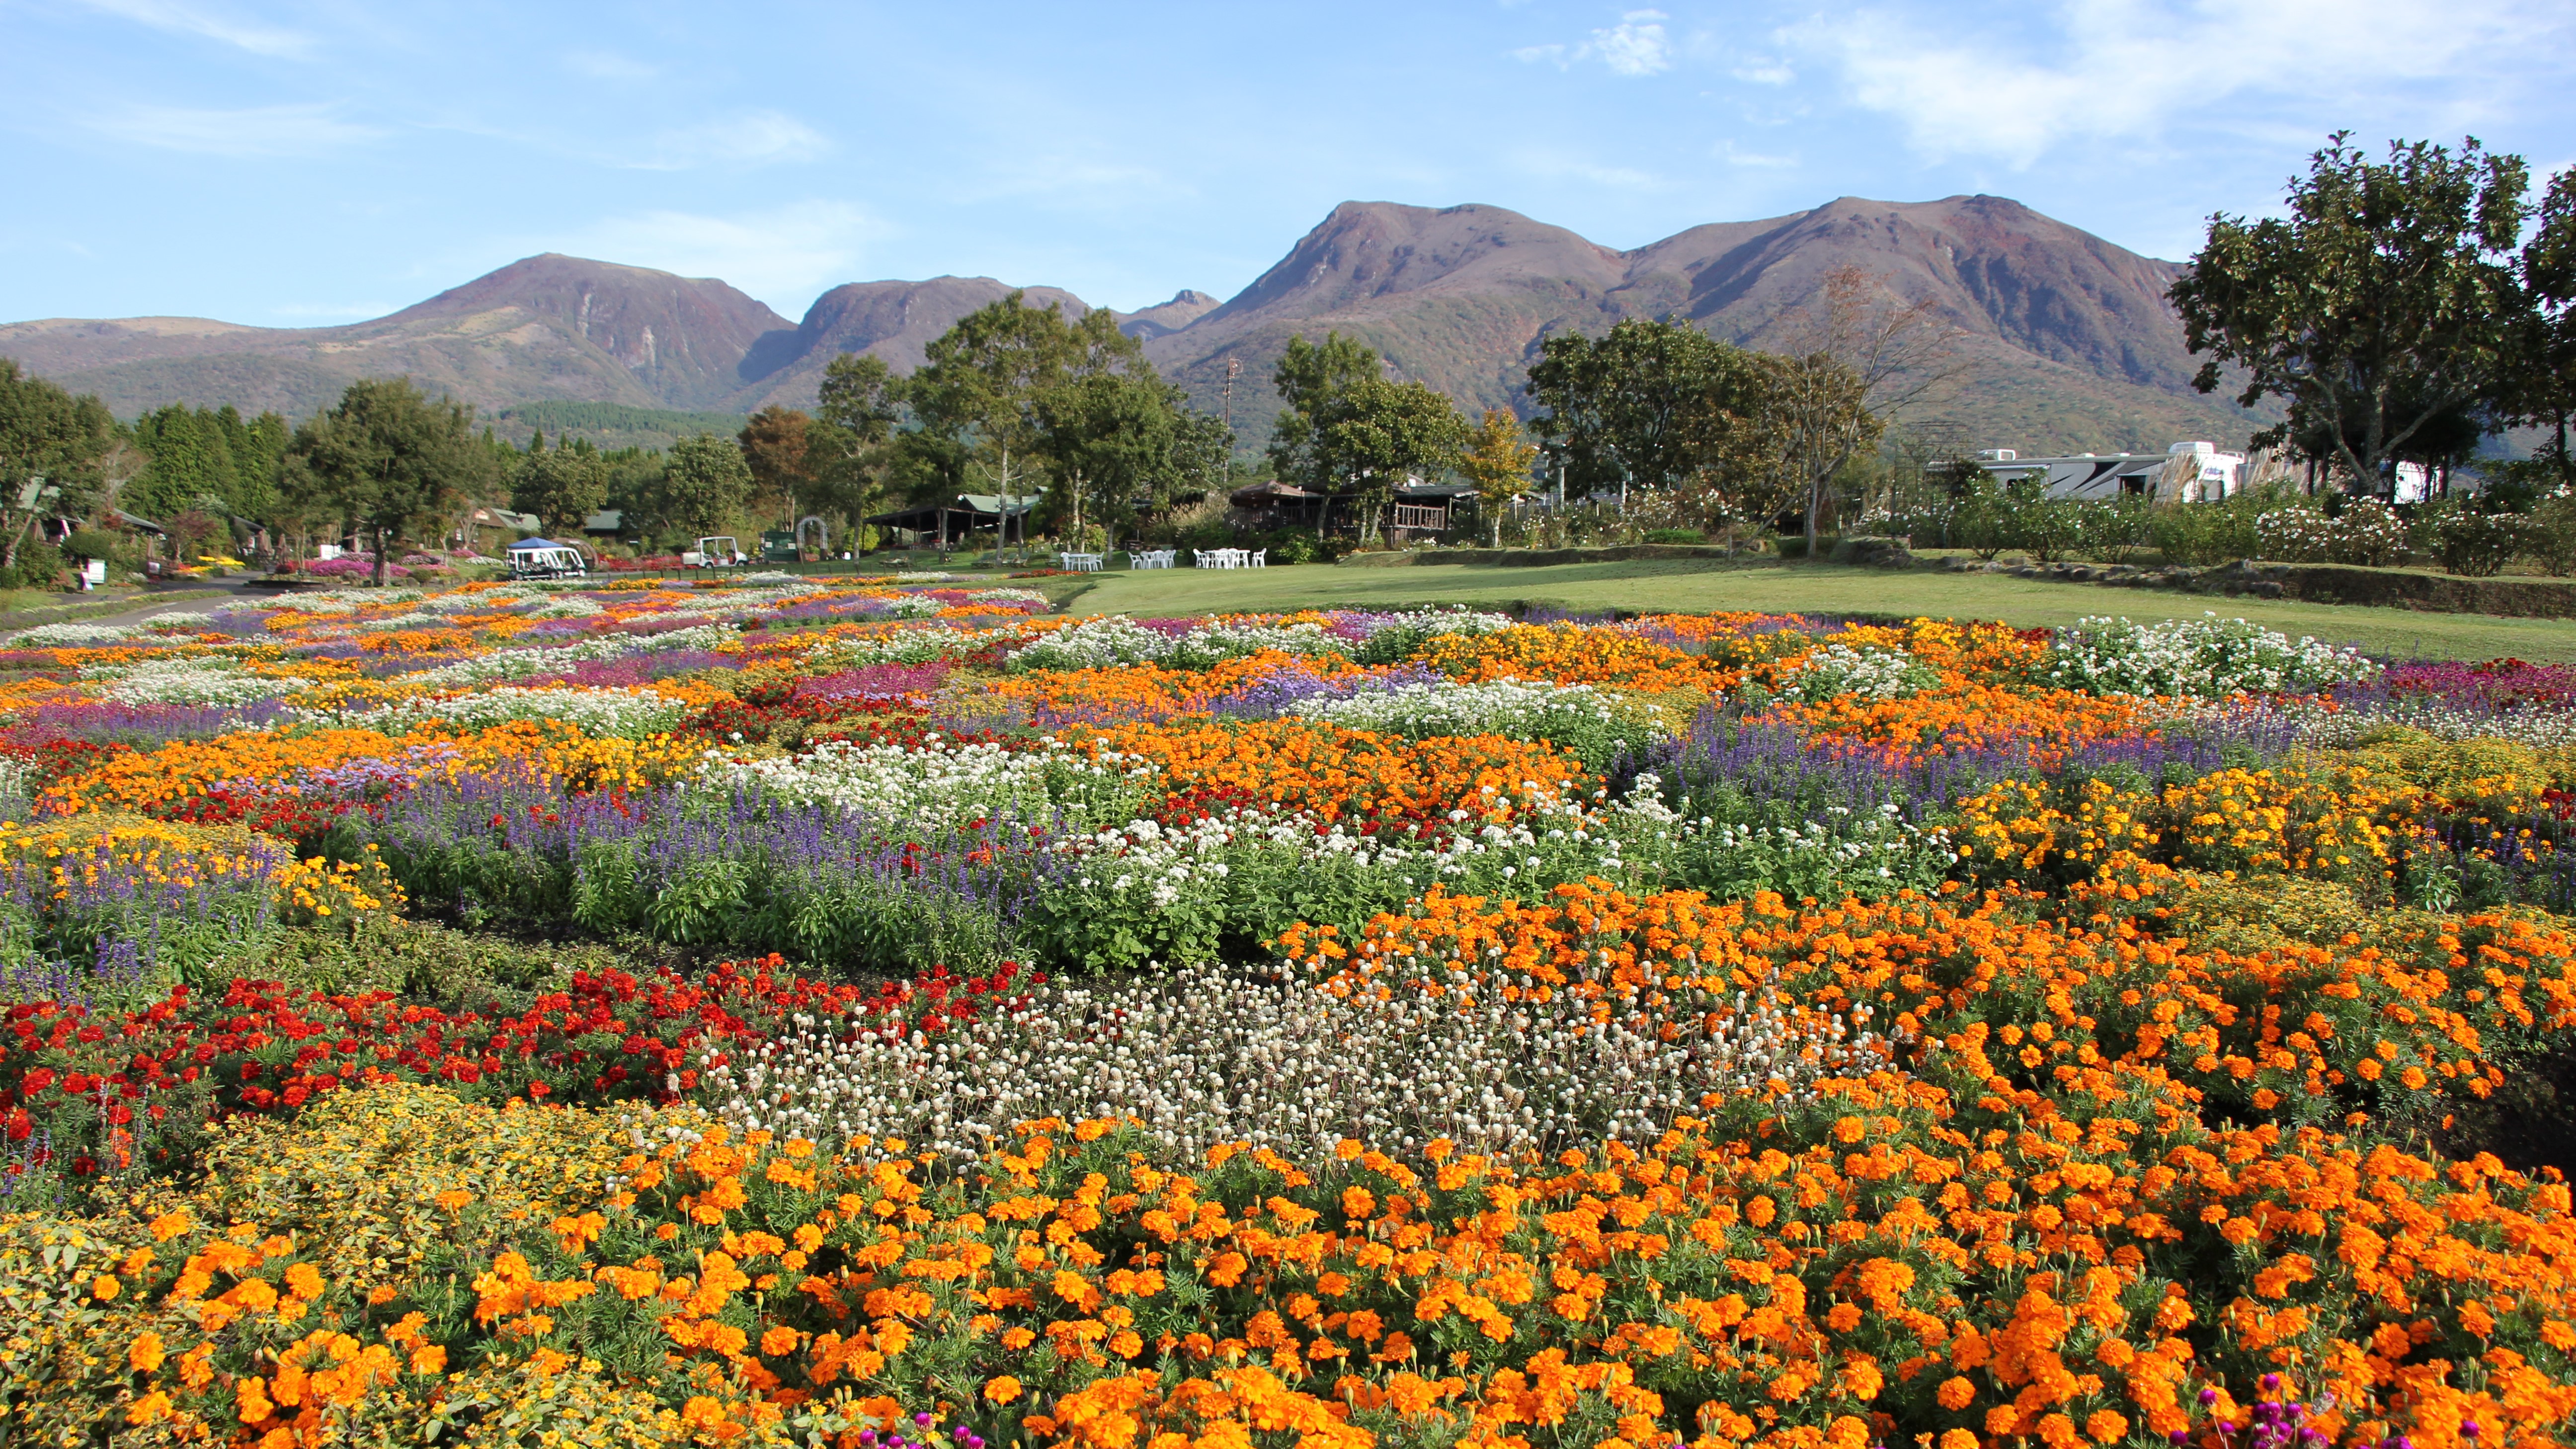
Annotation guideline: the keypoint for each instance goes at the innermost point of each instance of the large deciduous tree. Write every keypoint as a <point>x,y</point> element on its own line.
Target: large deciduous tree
<point>704,485</point>
<point>979,386</point>
<point>1641,406</point>
<point>563,486</point>
<point>1350,430</point>
<point>387,460</point>
<point>2384,302</point>
<point>2542,392</point>
<point>1125,447</point>
<point>777,445</point>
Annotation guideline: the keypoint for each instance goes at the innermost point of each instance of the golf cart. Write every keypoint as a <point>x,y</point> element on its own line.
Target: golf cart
<point>720,551</point>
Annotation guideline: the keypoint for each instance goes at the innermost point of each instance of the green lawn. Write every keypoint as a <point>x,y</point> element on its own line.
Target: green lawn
<point>1695,587</point>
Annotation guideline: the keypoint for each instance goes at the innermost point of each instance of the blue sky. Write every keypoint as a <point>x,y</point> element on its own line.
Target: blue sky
<point>279,162</point>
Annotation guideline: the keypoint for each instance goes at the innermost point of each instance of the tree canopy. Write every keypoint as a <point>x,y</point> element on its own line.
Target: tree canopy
<point>1125,447</point>
<point>1349,430</point>
<point>2383,303</point>
<point>388,460</point>
<point>1497,459</point>
<point>1645,405</point>
<point>562,486</point>
<point>704,484</point>
<point>48,438</point>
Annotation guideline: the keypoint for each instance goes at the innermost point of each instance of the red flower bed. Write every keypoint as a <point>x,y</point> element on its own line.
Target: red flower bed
<point>262,1048</point>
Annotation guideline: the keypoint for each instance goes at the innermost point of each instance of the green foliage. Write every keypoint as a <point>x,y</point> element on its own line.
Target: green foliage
<point>2553,534</point>
<point>1125,448</point>
<point>1351,431</point>
<point>2478,545</point>
<point>1649,403</point>
<point>2199,535</point>
<point>387,459</point>
<point>2385,302</point>
<point>204,454</point>
<point>561,486</point>
<point>47,434</point>
<point>703,486</point>
<point>600,417</point>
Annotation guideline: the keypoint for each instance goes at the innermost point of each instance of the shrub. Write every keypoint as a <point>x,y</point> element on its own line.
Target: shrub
<point>2367,532</point>
<point>1673,535</point>
<point>2553,534</point>
<point>2209,658</point>
<point>2477,545</point>
<point>2199,535</point>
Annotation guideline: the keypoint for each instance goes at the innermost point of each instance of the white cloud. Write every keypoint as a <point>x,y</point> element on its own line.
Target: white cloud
<point>1728,152</point>
<point>755,138</point>
<point>609,65</point>
<point>2126,69</point>
<point>256,131</point>
<point>1764,71</point>
<point>1555,165</point>
<point>1634,46</point>
<point>187,19</point>
<point>783,256</point>
<point>1637,45</point>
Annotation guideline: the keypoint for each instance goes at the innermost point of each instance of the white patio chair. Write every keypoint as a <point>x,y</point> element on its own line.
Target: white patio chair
<point>1261,558</point>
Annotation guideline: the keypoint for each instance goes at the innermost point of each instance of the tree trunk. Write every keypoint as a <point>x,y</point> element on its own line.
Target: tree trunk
<point>379,535</point>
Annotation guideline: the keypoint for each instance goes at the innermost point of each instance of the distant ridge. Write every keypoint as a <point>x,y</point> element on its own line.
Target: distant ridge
<point>2073,344</point>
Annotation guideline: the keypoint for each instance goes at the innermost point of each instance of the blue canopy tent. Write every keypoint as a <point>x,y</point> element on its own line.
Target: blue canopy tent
<point>539,558</point>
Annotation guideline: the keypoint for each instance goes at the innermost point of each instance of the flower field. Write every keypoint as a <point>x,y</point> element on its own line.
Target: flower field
<point>888,1013</point>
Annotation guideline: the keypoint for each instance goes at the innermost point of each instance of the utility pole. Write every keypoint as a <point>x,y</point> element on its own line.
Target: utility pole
<point>1233,370</point>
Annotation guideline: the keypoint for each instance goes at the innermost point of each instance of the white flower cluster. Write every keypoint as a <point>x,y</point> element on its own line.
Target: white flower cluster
<point>945,783</point>
<point>2207,658</point>
<point>202,681</point>
<point>1865,852</point>
<point>1548,840</point>
<point>1006,596</point>
<point>395,623</point>
<point>623,713</point>
<point>905,646</point>
<point>1839,671</point>
<point>2366,532</point>
<point>521,663</point>
<point>1208,1056</point>
<point>1515,708</point>
<point>73,636</point>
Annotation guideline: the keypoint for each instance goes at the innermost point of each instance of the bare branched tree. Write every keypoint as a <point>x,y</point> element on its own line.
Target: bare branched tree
<point>1849,361</point>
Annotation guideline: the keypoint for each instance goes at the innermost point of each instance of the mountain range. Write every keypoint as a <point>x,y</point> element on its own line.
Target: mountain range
<point>2066,341</point>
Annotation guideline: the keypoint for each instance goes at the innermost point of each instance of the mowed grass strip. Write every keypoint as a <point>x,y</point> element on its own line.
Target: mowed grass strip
<point>1695,587</point>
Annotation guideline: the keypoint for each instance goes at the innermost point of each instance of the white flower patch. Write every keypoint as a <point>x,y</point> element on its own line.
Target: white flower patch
<point>1212,1055</point>
<point>946,783</point>
<point>73,636</point>
<point>521,663</point>
<point>396,623</point>
<point>612,712</point>
<point>1115,639</point>
<point>1514,708</point>
<point>213,681</point>
<point>2207,658</point>
<point>1839,671</point>
<point>1006,596</point>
